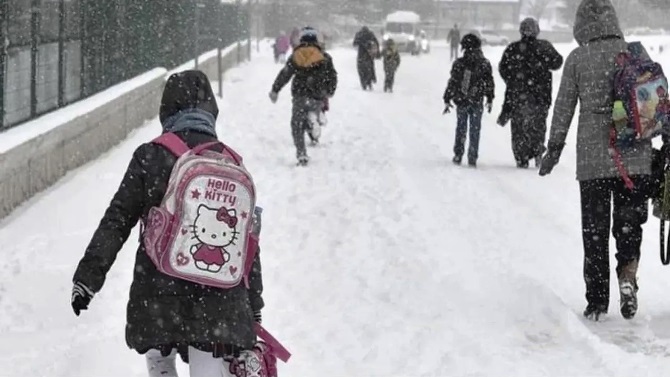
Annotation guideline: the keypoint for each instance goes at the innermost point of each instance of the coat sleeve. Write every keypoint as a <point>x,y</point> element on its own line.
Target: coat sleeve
<point>256,285</point>
<point>454,82</point>
<point>552,58</point>
<point>505,67</point>
<point>566,102</point>
<point>489,83</point>
<point>121,216</point>
<point>331,76</point>
<point>284,76</point>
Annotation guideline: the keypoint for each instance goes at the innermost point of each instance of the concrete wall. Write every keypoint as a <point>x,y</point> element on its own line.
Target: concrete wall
<point>38,162</point>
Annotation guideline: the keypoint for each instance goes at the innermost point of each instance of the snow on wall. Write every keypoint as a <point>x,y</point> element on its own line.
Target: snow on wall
<point>35,155</point>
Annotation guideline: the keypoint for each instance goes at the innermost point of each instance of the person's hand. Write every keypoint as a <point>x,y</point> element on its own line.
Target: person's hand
<point>273,96</point>
<point>550,159</point>
<point>447,108</point>
<point>258,318</point>
<point>81,297</point>
<point>489,107</point>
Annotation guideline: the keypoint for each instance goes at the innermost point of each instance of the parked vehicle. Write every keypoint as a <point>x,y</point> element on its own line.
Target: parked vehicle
<point>491,37</point>
<point>403,28</point>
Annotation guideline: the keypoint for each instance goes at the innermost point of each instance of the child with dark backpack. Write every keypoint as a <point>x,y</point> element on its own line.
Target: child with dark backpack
<point>471,83</point>
<point>391,59</point>
<point>314,81</point>
<point>197,279</point>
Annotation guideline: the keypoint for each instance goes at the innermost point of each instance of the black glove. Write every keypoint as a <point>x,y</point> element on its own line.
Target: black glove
<point>489,106</point>
<point>81,297</point>
<point>550,159</point>
<point>258,318</point>
<point>447,108</point>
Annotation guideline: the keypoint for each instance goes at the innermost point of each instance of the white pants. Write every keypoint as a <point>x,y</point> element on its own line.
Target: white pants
<point>201,364</point>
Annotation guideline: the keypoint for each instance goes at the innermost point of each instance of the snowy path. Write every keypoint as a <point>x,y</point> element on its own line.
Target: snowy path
<point>380,259</point>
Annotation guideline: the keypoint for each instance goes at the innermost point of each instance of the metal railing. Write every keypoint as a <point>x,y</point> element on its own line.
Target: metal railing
<point>56,52</point>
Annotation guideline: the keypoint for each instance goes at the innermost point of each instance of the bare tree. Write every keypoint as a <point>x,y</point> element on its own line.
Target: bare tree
<point>537,8</point>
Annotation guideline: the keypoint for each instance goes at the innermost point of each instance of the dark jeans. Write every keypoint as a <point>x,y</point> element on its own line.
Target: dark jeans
<point>473,114</point>
<point>529,129</point>
<point>389,79</point>
<point>300,121</point>
<point>629,213</point>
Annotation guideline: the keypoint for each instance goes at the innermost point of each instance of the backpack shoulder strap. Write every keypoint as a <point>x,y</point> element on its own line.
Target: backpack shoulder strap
<point>173,143</point>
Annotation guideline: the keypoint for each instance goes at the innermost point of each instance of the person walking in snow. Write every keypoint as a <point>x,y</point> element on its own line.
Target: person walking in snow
<point>526,67</point>
<point>295,37</point>
<point>588,79</point>
<point>314,81</point>
<point>167,314</point>
<point>281,47</point>
<point>391,59</point>
<point>454,39</point>
<point>368,51</point>
<point>471,83</point>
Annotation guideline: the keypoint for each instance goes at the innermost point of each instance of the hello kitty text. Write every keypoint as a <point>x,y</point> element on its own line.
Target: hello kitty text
<point>221,191</point>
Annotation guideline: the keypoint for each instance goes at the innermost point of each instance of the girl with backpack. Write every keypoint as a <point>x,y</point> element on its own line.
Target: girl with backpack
<point>588,78</point>
<point>166,314</point>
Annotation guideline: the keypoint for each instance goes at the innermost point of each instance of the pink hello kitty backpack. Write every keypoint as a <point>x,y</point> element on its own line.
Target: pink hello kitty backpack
<point>201,232</point>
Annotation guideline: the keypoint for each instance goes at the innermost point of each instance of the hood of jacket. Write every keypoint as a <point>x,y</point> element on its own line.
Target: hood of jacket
<point>186,91</point>
<point>596,19</point>
<point>307,55</point>
<point>473,55</point>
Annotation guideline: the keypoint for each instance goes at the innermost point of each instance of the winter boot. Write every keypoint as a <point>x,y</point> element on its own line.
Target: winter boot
<point>538,161</point>
<point>628,289</point>
<point>457,160</point>
<point>303,160</point>
<point>594,312</point>
<point>522,164</point>
<point>472,163</point>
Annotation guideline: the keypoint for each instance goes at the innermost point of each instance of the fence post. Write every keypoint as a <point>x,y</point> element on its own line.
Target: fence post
<point>220,68</point>
<point>4,39</point>
<point>61,53</point>
<point>249,26</point>
<point>82,50</point>
<point>34,46</point>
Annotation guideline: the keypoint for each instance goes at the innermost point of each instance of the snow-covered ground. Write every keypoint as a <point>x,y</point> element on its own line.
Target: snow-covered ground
<point>380,259</point>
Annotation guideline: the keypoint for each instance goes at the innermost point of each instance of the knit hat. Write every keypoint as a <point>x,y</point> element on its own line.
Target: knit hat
<point>471,42</point>
<point>529,28</point>
<point>309,35</point>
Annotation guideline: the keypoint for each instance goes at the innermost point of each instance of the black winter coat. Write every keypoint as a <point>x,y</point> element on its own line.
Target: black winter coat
<point>313,73</point>
<point>164,311</point>
<point>391,59</point>
<point>526,68</point>
<point>471,80</point>
<point>368,45</point>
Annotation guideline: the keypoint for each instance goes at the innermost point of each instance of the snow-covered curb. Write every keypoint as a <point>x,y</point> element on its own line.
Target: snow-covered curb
<point>35,155</point>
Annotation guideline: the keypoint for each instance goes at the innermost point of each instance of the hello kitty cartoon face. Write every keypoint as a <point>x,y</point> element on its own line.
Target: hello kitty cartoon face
<point>215,227</point>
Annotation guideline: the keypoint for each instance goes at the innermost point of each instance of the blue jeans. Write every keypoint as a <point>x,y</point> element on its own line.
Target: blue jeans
<point>474,114</point>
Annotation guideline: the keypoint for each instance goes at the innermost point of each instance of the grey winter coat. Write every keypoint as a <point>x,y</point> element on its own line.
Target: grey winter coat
<point>164,312</point>
<point>587,77</point>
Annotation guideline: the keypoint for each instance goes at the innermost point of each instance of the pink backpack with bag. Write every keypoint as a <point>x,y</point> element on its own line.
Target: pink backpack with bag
<point>201,232</point>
